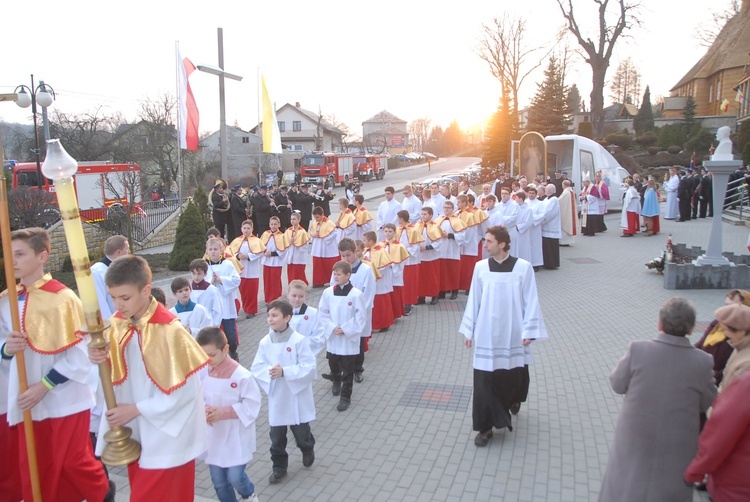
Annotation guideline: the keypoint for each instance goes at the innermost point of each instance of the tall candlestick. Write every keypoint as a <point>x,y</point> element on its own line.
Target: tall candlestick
<point>121,449</point>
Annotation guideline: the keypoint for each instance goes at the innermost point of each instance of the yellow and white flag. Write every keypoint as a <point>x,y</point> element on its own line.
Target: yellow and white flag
<point>271,134</point>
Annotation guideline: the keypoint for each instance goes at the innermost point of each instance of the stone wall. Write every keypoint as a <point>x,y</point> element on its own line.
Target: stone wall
<point>95,236</point>
<point>690,276</point>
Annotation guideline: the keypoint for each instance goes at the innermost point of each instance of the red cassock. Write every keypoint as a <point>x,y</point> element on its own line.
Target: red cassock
<point>249,294</point>
<point>466,271</point>
<point>161,485</point>
<point>411,284</point>
<point>655,224</point>
<point>10,476</point>
<point>382,312</point>
<point>398,302</point>
<point>449,274</point>
<point>69,472</point>
<point>633,223</point>
<point>322,269</point>
<point>429,278</point>
<point>271,283</point>
<point>296,272</point>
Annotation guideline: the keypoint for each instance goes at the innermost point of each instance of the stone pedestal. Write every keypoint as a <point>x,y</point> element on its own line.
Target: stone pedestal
<point>721,169</point>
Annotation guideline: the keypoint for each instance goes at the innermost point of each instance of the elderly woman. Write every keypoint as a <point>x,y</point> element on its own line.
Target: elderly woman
<point>735,321</point>
<point>667,384</point>
<point>651,210</point>
<point>715,341</point>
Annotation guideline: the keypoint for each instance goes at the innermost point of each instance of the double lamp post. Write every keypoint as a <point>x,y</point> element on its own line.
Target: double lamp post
<point>42,95</point>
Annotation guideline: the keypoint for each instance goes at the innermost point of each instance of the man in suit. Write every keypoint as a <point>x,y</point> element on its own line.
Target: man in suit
<point>684,196</point>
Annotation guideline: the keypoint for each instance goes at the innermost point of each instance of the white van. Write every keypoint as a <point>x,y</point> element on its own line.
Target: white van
<point>578,155</point>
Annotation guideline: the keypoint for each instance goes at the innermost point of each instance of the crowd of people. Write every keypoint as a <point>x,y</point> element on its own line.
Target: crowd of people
<point>182,389</point>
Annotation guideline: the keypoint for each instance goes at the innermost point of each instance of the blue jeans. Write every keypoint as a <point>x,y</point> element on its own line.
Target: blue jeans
<point>229,327</point>
<point>228,479</point>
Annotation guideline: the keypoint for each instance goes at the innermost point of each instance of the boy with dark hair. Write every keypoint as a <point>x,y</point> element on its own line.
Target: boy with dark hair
<point>223,275</point>
<point>159,295</point>
<point>203,292</point>
<point>232,403</point>
<point>193,316</point>
<point>382,306</point>
<point>362,216</point>
<point>398,255</point>
<point>59,396</point>
<point>411,238</point>
<point>285,368</point>
<point>154,363</point>
<point>299,250</point>
<point>343,317</point>
<point>276,244</point>
<point>429,257</point>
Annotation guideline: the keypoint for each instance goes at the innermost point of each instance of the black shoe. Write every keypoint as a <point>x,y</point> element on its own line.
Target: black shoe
<point>276,477</point>
<point>336,389</point>
<point>483,438</point>
<point>421,300</point>
<point>249,316</point>
<point>358,377</point>
<point>441,296</point>
<point>407,310</point>
<point>110,497</point>
<point>515,408</point>
<point>308,457</point>
<point>383,330</point>
<point>234,355</point>
<point>327,376</point>
<point>454,295</point>
<point>343,404</point>
<point>434,300</point>
<point>466,292</point>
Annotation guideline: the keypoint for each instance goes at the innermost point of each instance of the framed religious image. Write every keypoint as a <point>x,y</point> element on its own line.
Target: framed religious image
<point>533,155</point>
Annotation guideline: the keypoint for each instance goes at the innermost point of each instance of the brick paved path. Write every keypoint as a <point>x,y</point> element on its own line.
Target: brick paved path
<point>407,435</point>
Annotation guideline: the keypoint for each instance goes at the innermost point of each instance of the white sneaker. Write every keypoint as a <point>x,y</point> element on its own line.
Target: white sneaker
<point>252,498</point>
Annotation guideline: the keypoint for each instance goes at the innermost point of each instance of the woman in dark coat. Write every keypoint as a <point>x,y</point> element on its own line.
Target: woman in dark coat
<point>667,383</point>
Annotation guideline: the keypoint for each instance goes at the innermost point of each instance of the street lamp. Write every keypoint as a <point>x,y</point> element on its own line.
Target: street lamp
<point>43,95</point>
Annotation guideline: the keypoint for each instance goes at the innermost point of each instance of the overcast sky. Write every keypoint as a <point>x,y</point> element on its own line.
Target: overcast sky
<point>414,58</point>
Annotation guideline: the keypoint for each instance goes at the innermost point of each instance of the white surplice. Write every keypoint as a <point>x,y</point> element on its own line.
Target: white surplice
<point>251,264</point>
<point>171,427</point>
<point>506,214</point>
<point>210,298</point>
<point>308,324</point>
<point>349,313</point>
<point>106,304</point>
<point>363,278</point>
<point>413,206</point>
<point>290,397</point>
<point>231,442</point>
<point>228,286</point>
<point>195,320</point>
<point>387,213</point>
<point>497,333</point>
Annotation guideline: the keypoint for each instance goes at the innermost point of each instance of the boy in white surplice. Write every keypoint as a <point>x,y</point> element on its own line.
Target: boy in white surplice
<point>285,368</point>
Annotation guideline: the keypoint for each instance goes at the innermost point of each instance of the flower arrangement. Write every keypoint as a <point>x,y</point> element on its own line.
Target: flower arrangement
<point>658,263</point>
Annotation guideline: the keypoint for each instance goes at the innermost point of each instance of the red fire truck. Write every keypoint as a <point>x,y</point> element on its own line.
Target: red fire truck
<point>99,185</point>
<point>370,167</point>
<point>330,168</point>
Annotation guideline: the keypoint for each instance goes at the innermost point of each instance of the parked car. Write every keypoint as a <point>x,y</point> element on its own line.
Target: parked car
<point>430,156</point>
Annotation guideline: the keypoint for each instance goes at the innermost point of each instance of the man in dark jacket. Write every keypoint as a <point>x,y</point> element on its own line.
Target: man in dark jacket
<point>705,197</point>
<point>262,210</point>
<point>303,203</point>
<point>238,209</point>
<point>323,198</point>
<point>283,207</point>
<point>684,194</point>
<point>221,215</point>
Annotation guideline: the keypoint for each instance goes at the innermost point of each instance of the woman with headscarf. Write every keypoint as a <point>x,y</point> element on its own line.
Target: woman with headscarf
<point>714,340</point>
<point>651,210</point>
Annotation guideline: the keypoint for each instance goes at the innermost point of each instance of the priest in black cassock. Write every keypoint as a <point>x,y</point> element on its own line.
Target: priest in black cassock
<point>501,336</point>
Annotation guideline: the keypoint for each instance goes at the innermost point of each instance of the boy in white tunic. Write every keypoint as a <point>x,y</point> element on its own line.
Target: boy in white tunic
<point>193,316</point>
<point>203,292</point>
<point>305,319</point>
<point>232,400</point>
<point>343,316</point>
<point>154,363</point>
<point>285,368</point>
<point>224,276</point>
<point>248,250</point>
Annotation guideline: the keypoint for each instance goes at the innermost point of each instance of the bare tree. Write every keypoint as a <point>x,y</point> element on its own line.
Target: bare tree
<point>707,31</point>
<point>87,136</point>
<point>319,132</point>
<point>625,86</point>
<point>30,207</point>
<point>124,186</point>
<point>347,138</point>
<point>160,146</point>
<point>510,60</point>
<point>598,52</point>
<point>419,130</point>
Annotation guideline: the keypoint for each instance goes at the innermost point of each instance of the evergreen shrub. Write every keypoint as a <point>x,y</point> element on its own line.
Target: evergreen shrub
<point>190,239</point>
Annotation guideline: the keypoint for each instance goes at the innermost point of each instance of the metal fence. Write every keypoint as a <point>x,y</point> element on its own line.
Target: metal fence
<point>737,198</point>
<point>139,222</point>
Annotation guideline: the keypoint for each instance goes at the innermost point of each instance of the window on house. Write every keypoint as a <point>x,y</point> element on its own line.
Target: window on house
<point>297,125</point>
<point>710,93</point>
<point>718,90</point>
<point>295,148</point>
<point>245,139</point>
<point>282,126</point>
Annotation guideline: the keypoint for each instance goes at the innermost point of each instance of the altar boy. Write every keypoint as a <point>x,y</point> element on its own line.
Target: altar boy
<point>285,368</point>
<point>343,316</point>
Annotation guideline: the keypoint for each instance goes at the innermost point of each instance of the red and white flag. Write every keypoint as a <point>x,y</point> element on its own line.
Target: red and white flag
<point>189,139</point>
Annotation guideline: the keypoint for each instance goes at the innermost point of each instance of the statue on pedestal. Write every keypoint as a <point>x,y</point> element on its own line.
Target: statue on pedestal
<point>724,150</point>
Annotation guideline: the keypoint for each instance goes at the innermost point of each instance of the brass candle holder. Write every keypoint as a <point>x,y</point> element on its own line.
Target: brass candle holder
<point>59,166</point>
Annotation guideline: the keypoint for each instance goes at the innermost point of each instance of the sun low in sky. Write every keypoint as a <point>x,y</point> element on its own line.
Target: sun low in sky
<point>416,59</point>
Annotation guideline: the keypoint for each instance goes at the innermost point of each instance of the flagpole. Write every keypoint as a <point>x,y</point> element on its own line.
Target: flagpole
<point>260,124</point>
<point>179,123</point>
